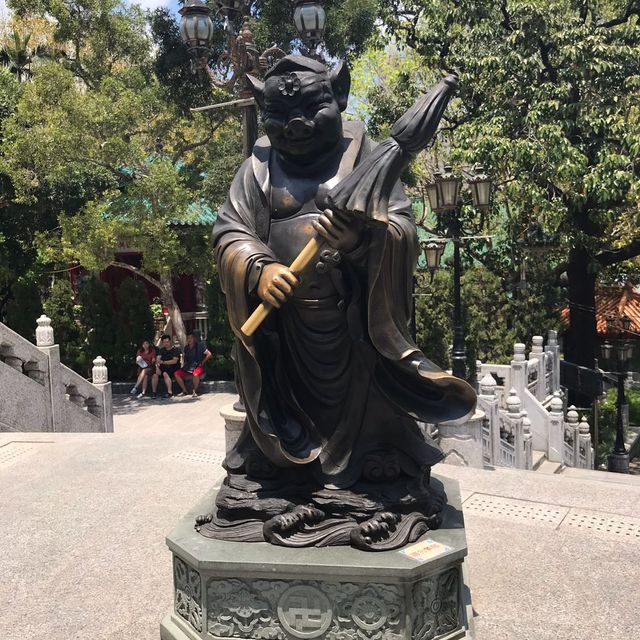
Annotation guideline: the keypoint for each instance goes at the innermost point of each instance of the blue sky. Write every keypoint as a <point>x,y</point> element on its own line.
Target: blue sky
<point>147,4</point>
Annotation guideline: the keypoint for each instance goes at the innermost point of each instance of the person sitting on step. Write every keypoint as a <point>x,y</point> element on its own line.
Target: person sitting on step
<point>196,355</point>
<point>167,363</point>
<point>145,359</point>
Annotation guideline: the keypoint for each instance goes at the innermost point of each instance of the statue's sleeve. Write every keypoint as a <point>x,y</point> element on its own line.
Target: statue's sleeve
<point>239,239</point>
<point>393,254</point>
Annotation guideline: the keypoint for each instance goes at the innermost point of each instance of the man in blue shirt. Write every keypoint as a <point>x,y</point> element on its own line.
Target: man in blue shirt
<point>196,355</point>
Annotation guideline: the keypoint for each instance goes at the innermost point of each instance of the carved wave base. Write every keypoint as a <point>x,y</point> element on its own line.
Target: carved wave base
<point>372,516</point>
<point>256,591</point>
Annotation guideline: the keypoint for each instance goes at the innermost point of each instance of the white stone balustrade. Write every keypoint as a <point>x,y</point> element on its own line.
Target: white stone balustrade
<point>536,382</point>
<point>578,451</point>
<point>41,394</point>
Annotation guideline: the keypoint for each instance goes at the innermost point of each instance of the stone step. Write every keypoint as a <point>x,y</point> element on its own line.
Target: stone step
<point>538,458</point>
<point>549,467</point>
<point>602,476</point>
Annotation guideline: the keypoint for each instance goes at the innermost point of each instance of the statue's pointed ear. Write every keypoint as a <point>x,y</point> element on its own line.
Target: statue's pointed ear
<point>257,88</point>
<point>341,83</point>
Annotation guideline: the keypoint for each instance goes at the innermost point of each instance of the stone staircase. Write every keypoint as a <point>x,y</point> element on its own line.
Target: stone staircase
<point>40,394</point>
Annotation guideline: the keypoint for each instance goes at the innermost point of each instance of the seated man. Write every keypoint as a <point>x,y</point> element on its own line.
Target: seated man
<point>195,356</point>
<point>167,363</point>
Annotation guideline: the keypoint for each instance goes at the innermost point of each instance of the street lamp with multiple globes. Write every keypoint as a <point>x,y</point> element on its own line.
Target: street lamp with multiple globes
<point>619,353</point>
<point>241,56</point>
<point>444,199</point>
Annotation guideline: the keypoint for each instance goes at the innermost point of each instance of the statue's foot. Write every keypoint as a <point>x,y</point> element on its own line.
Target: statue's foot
<point>387,531</point>
<point>306,526</point>
<point>204,519</point>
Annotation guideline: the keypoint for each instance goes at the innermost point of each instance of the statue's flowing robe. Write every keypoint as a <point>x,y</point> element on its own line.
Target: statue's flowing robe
<point>336,382</point>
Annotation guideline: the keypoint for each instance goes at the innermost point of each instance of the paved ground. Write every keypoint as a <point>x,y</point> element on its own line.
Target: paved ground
<point>84,519</point>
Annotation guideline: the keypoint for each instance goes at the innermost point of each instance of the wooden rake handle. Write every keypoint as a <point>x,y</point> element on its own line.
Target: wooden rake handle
<point>311,251</point>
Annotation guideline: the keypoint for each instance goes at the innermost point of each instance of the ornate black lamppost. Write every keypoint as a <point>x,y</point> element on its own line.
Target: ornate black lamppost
<point>619,353</point>
<point>240,57</point>
<point>444,198</point>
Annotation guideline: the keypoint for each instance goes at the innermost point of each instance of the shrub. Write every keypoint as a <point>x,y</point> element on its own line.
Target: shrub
<point>134,323</point>
<point>98,321</point>
<point>60,308</point>
<point>220,338</point>
<point>24,308</point>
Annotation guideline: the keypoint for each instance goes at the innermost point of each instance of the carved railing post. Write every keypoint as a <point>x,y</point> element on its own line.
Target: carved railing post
<point>100,378</point>
<point>553,352</point>
<point>571,438</point>
<point>514,416</point>
<point>99,372</point>
<point>44,332</point>
<point>519,369</point>
<point>584,444</point>
<point>556,428</point>
<point>528,441</point>
<point>489,403</point>
<point>45,341</point>
<point>537,352</point>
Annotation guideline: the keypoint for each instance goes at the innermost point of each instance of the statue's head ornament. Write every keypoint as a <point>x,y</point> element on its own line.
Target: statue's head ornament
<point>289,84</point>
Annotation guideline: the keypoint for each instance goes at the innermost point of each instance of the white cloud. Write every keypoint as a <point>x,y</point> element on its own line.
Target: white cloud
<point>150,4</point>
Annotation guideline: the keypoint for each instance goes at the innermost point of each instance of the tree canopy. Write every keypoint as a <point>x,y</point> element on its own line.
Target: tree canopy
<point>548,102</point>
<point>99,149</point>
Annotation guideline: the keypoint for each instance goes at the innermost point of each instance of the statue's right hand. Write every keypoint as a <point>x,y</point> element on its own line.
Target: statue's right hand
<point>276,284</point>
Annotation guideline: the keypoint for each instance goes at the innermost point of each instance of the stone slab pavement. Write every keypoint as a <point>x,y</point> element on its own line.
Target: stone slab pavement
<point>83,519</point>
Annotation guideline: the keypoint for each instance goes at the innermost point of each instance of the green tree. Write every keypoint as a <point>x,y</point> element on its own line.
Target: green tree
<point>548,101</point>
<point>434,310</point>
<point>140,164</point>
<point>59,306</point>
<point>98,36</point>
<point>24,308</point>
<point>98,320</point>
<point>220,337</point>
<point>134,323</point>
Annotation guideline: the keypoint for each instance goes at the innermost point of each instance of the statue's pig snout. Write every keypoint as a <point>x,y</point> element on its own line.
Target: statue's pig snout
<point>299,128</point>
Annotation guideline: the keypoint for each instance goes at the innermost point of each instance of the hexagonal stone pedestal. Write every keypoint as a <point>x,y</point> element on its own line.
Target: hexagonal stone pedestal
<point>251,591</point>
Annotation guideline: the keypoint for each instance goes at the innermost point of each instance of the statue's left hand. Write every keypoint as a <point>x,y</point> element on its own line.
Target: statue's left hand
<point>338,232</point>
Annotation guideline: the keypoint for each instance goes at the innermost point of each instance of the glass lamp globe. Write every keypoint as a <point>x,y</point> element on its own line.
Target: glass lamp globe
<point>448,186</point>
<point>196,27</point>
<point>310,20</point>
<point>432,194</point>
<point>481,189</point>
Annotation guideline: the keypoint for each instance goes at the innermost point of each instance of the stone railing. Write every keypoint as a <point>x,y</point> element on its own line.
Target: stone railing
<point>506,433</point>
<point>41,394</point>
<point>535,390</point>
<point>535,379</point>
<point>577,450</point>
<point>540,373</point>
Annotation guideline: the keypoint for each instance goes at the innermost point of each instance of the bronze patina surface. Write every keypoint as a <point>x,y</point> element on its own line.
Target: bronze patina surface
<point>333,385</point>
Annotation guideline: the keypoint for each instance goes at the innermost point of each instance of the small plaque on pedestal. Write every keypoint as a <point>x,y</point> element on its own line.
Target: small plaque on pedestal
<point>251,591</point>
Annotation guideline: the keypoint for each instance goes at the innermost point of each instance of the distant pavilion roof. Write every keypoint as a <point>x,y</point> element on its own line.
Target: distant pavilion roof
<point>199,214</point>
<point>616,302</point>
